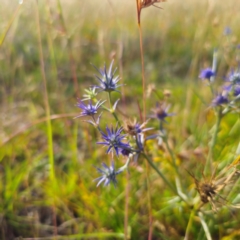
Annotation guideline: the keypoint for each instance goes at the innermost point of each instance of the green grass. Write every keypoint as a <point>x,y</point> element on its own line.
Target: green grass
<point>47,158</point>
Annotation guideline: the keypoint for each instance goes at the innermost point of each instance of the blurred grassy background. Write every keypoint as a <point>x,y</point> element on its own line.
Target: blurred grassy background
<point>178,41</point>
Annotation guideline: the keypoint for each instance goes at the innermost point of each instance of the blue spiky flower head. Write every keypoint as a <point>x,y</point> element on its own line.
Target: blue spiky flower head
<point>161,111</point>
<point>88,109</point>
<point>108,82</point>
<point>220,99</point>
<point>113,139</point>
<point>206,73</point>
<point>227,31</point>
<point>133,128</point>
<point>236,90</point>
<point>108,174</point>
<point>234,77</point>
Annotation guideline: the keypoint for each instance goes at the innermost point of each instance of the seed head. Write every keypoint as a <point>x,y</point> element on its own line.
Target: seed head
<point>209,189</point>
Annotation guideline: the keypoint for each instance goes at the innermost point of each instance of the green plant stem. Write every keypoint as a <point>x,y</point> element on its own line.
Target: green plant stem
<point>149,202</point>
<point>111,107</point>
<point>39,121</point>
<point>50,42</point>
<point>190,221</point>
<point>208,166</point>
<point>10,23</point>
<point>46,99</point>
<point>70,52</point>
<point>177,177</point>
<point>162,176</point>
<point>96,235</point>
<point>171,154</point>
<point>126,207</point>
<point>205,226</point>
<point>211,88</point>
<point>110,100</point>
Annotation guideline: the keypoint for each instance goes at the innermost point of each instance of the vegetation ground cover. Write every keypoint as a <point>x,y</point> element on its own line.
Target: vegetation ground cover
<point>58,41</point>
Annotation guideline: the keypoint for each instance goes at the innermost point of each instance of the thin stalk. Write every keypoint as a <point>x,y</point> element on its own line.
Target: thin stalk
<point>144,116</point>
<point>149,203</point>
<point>161,175</point>
<point>171,154</point>
<point>143,73</point>
<point>111,107</point>
<point>50,42</point>
<point>214,65</point>
<point>28,126</point>
<point>205,226</point>
<point>95,235</point>
<point>120,50</point>
<point>139,8</point>
<point>46,99</point>
<point>235,186</point>
<point>48,114</point>
<point>109,100</point>
<point>126,207</point>
<point>212,144</point>
<point>54,219</point>
<point>4,34</point>
<point>177,178</point>
<point>6,192</point>
<point>189,225</point>
<point>69,44</point>
<point>211,89</point>
<point>74,147</point>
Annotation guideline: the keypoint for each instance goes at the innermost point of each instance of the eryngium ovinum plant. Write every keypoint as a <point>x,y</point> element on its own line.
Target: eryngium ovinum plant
<point>122,138</point>
<point>127,139</point>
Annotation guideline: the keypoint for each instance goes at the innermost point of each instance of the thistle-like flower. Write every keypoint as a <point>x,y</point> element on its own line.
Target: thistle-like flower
<point>236,90</point>
<point>108,82</point>
<point>161,112</point>
<point>207,73</point>
<point>88,109</point>
<point>133,128</point>
<point>108,174</point>
<point>234,78</point>
<point>113,139</point>
<point>227,31</point>
<point>90,94</point>
<point>220,99</point>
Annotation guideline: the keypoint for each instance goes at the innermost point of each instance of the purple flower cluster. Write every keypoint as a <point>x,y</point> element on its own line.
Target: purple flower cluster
<point>128,140</point>
<point>113,138</point>
<point>230,92</point>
